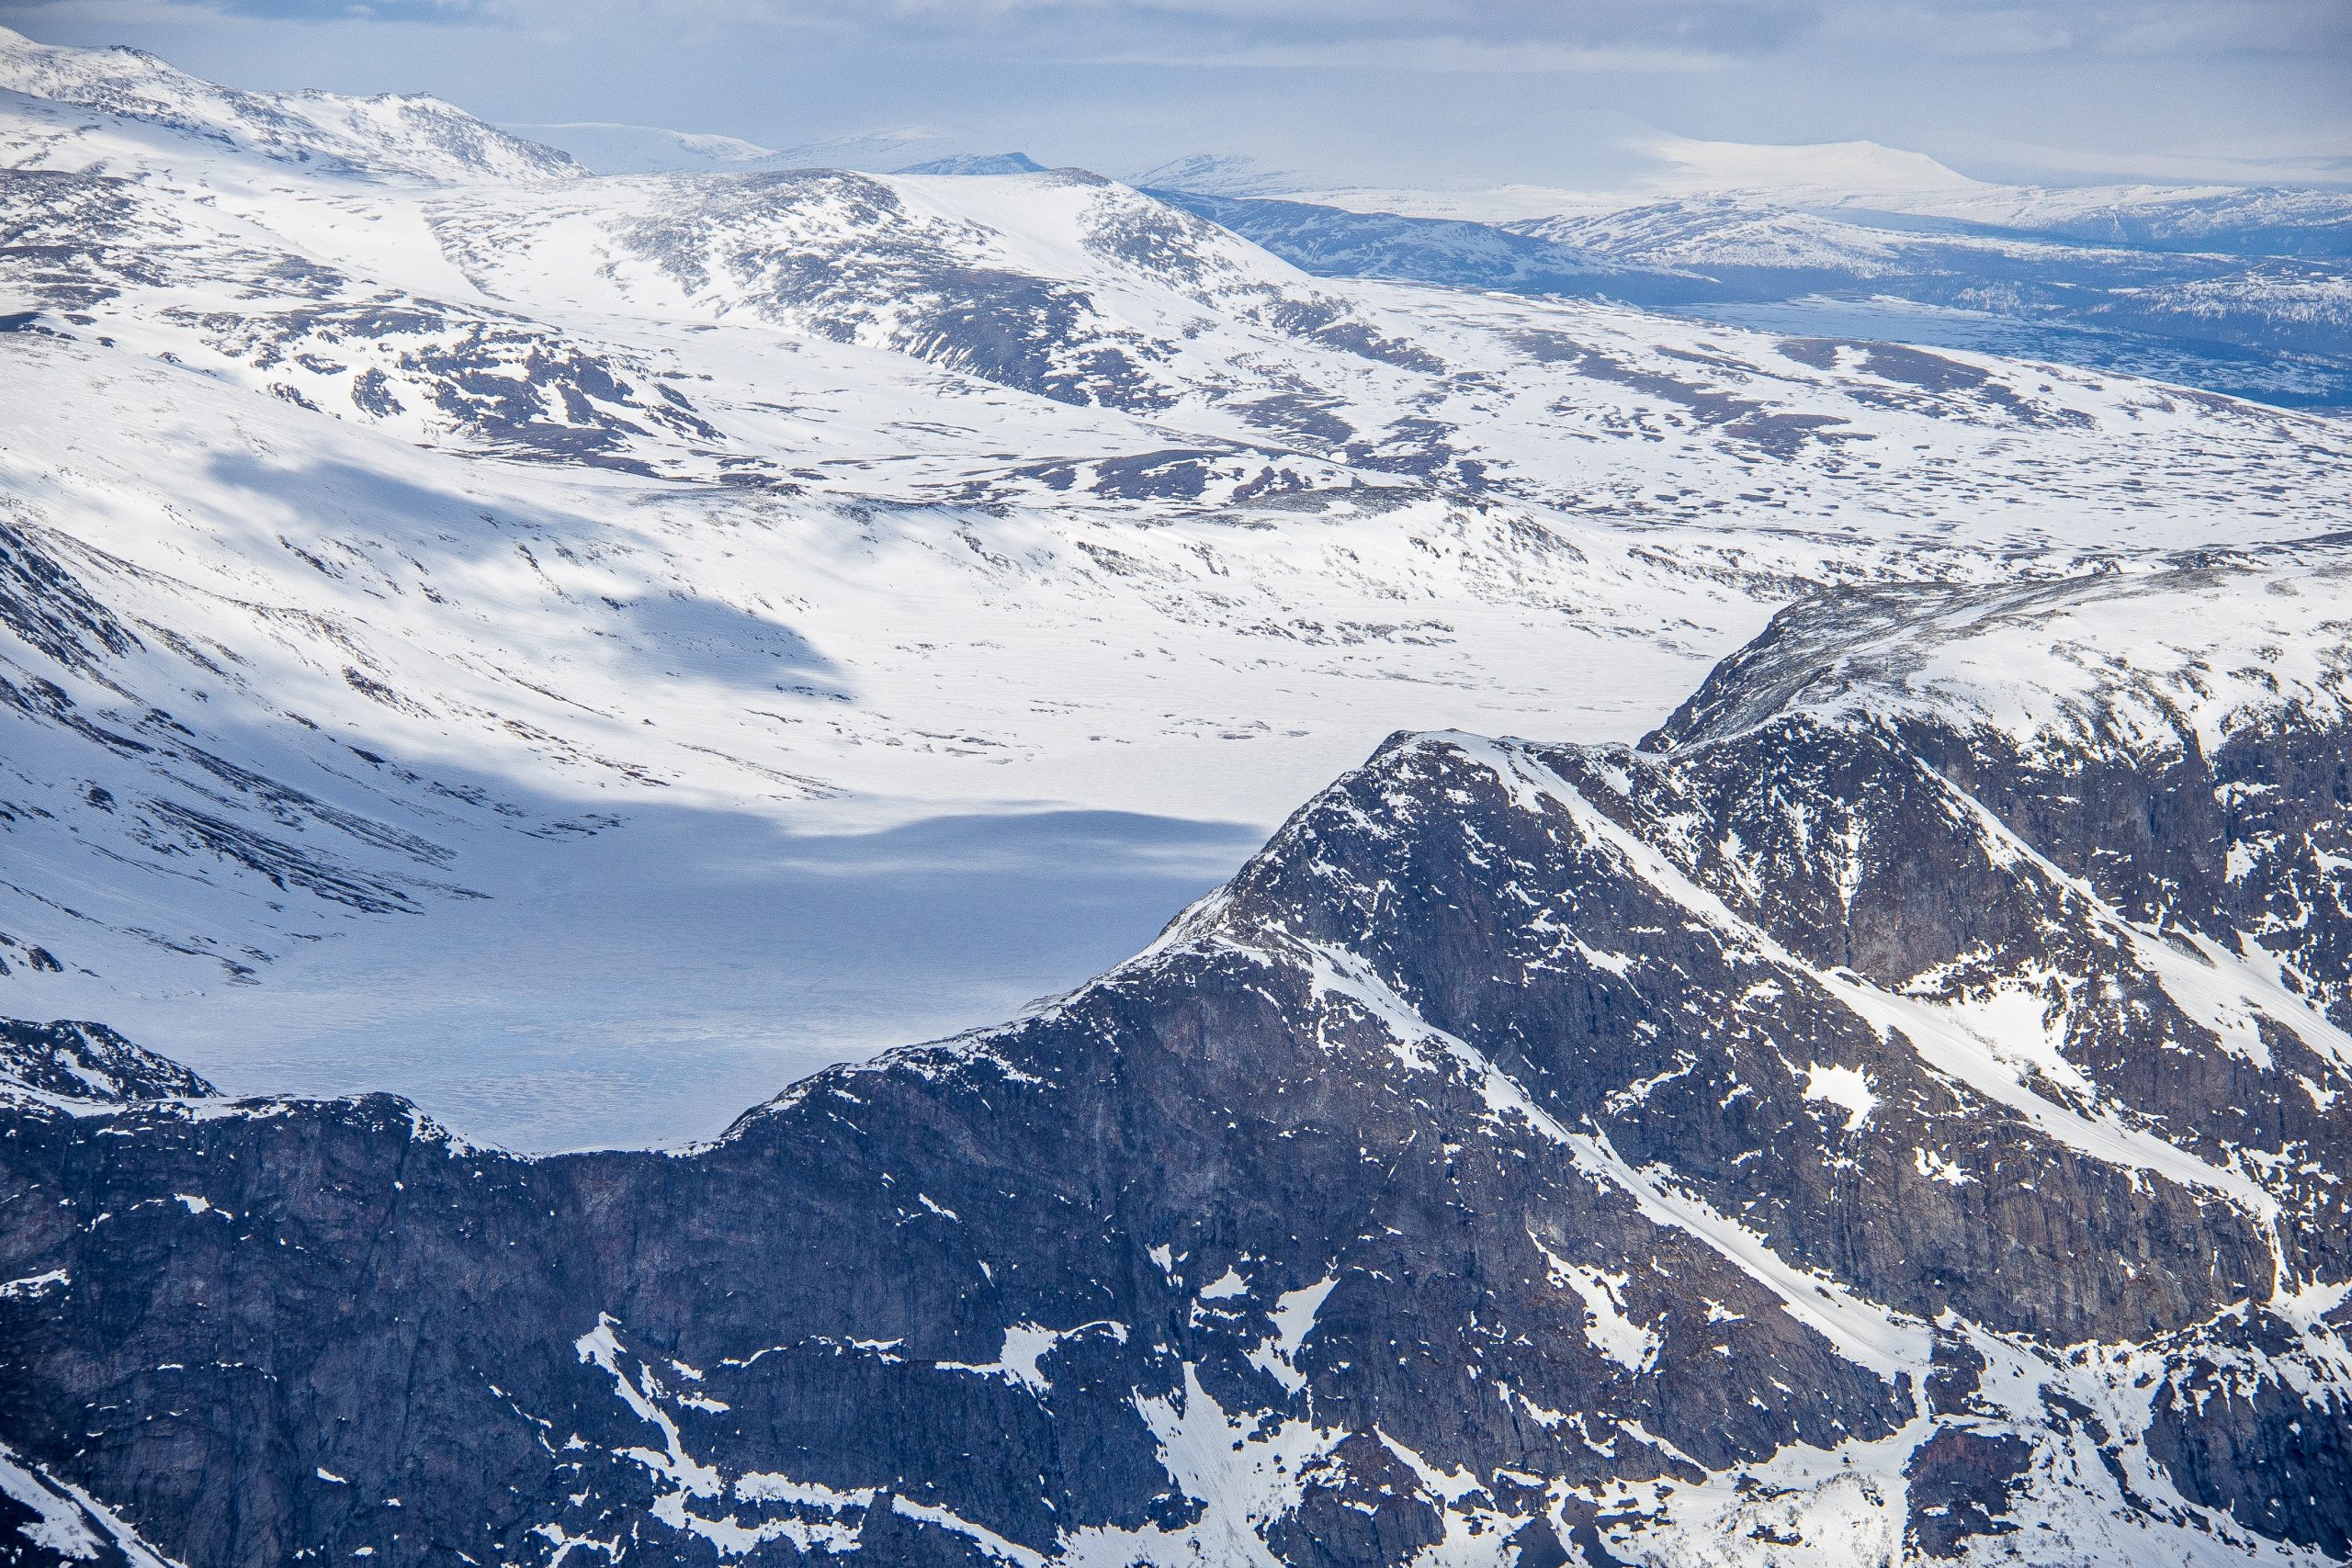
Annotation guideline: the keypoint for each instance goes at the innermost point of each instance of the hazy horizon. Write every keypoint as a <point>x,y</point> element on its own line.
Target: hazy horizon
<point>1418,93</point>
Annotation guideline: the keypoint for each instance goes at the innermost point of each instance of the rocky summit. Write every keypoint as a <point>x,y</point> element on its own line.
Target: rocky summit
<point>1892,1113</point>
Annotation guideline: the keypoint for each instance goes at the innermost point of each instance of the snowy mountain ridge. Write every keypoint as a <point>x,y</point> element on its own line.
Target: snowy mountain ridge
<point>2187,681</point>
<point>406,136</point>
<point>1740,1151</point>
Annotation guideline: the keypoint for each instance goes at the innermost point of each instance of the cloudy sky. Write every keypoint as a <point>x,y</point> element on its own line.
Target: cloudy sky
<point>1443,92</point>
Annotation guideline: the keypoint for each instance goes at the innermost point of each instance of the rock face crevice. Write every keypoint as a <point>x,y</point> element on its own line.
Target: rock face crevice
<point>1892,1114</point>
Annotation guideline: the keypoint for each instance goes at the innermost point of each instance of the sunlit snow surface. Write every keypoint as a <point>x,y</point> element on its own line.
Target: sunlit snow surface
<point>584,652</point>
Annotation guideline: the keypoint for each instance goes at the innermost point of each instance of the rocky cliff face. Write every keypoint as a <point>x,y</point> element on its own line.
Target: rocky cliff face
<point>1892,1114</point>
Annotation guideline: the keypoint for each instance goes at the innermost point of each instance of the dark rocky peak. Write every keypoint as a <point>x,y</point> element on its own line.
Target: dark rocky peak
<point>88,1061</point>
<point>2166,745</point>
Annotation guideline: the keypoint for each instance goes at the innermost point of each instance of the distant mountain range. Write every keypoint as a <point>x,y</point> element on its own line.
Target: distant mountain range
<point>2239,290</point>
<point>2247,292</point>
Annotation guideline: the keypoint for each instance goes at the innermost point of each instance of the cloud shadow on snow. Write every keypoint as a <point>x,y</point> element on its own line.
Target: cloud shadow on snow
<point>671,632</point>
<point>637,983</point>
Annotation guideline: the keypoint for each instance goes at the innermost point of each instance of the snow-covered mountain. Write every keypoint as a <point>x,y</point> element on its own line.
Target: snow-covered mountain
<point>1838,174</point>
<point>1332,241</point>
<point>2243,292</point>
<point>2243,220</point>
<point>1888,1116</point>
<point>978,163</point>
<point>607,147</point>
<point>1215,174</point>
<point>409,136</point>
<point>858,604</point>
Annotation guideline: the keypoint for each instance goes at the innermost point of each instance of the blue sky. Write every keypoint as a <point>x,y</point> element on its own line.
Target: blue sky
<point>1444,92</point>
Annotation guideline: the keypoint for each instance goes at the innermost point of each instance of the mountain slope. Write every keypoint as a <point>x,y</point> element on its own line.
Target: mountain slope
<point>978,163</point>
<point>1885,1117</point>
<point>1332,241</point>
